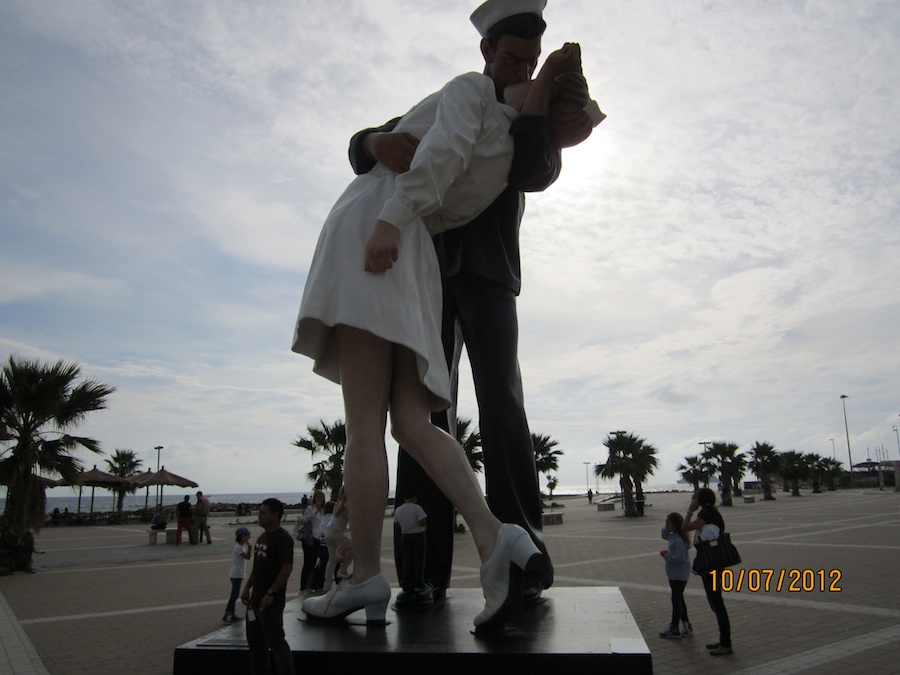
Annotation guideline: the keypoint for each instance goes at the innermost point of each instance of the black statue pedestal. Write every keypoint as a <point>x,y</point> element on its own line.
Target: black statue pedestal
<point>575,627</point>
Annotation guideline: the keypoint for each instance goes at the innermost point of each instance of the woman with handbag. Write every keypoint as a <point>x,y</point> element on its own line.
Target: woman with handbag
<point>709,525</point>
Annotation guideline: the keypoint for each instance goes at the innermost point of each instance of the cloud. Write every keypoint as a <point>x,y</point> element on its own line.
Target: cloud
<point>717,260</point>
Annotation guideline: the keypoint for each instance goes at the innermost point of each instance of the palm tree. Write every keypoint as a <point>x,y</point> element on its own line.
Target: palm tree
<point>643,464</point>
<point>793,469</point>
<point>817,470</point>
<point>724,457</point>
<point>39,403</point>
<point>470,442</point>
<point>737,470</point>
<point>709,469</point>
<point>622,448</point>
<point>546,459</point>
<point>764,462</point>
<point>123,463</point>
<point>330,440</point>
<point>695,470</point>
<point>551,485</point>
<point>833,470</point>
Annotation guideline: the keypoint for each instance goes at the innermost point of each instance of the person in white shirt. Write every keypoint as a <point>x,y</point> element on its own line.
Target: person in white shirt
<point>240,554</point>
<point>411,519</point>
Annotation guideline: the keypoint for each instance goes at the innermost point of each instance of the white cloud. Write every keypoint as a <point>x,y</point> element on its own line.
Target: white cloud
<point>717,261</point>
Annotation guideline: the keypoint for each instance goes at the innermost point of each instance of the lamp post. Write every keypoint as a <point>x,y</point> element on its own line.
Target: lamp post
<point>833,456</point>
<point>587,485</point>
<point>898,437</point>
<point>844,398</point>
<point>158,467</point>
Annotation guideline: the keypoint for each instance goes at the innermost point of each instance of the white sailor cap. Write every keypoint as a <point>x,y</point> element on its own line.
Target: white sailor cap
<point>485,17</point>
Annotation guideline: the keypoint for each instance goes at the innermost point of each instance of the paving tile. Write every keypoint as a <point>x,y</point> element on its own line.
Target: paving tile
<point>103,597</point>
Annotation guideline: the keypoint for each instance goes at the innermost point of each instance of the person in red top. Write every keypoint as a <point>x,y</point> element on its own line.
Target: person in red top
<point>184,510</point>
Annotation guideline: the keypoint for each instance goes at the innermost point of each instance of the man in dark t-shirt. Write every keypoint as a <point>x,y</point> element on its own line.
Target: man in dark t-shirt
<point>264,593</point>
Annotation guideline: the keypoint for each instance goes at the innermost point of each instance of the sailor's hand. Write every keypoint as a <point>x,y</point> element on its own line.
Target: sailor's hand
<point>393,149</point>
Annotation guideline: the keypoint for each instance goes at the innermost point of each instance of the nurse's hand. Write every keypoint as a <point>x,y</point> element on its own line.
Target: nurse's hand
<point>383,247</point>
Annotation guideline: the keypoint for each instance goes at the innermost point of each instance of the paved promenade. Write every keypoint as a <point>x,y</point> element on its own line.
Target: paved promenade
<point>103,601</point>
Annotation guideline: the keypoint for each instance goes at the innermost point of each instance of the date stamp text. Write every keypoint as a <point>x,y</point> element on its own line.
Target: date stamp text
<point>762,580</point>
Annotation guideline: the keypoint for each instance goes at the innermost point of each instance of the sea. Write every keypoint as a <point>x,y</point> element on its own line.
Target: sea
<point>104,500</point>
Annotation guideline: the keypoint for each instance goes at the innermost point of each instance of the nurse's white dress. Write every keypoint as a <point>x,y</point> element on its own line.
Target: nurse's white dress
<point>460,167</point>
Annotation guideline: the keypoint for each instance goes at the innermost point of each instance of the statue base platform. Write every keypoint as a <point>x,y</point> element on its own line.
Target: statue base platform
<point>582,628</point>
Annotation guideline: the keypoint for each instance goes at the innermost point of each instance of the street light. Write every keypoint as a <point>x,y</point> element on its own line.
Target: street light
<point>587,485</point>
<point>844,398</point>
<point>898,437</point>
<point>833,456</point>
<point>158,467</point>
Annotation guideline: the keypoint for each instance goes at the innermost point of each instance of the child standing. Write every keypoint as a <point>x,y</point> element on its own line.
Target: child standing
<point>239,554</point>
<point>678,569</point>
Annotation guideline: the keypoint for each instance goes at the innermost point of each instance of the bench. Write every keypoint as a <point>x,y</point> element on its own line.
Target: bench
<point>153,534</point>
<point>551,519</point>
<point>606,506</point>
<point>749,500</point>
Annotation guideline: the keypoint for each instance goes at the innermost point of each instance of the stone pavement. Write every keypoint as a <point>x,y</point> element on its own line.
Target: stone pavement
<point>104,601</point>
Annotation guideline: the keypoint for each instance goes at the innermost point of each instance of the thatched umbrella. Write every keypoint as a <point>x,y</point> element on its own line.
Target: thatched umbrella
<point>96,478</point>
<point>163,477</point>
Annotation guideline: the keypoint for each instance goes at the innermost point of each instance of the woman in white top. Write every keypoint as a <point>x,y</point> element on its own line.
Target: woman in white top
<point>370,318</point>
<point>313,517</point>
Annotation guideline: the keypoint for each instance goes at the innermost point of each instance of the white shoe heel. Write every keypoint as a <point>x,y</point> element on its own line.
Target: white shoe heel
<point>523,550</point>
<point>502,576</point>
<point>375,613</point>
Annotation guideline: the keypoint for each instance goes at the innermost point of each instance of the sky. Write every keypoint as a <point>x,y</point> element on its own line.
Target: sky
<point>717,262</point>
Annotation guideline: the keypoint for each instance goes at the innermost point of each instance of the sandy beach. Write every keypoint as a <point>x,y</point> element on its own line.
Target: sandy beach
<point>102,600</point>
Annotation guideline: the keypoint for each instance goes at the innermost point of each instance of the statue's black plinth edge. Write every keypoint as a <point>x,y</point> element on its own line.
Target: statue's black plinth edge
<point>587,627</point>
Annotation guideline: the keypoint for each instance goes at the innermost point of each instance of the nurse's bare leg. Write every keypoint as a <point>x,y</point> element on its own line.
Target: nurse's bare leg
<point>437,452</point>
<point>366,369</point>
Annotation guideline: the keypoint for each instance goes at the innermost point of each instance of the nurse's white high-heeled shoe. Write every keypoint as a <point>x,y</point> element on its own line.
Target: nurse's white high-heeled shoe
<point>345,598</point>
<point>502,574</point>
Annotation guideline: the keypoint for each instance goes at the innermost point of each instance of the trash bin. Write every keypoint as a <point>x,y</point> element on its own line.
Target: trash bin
<point>639,505</point>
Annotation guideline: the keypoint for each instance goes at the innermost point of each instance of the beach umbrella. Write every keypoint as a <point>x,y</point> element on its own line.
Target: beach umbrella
<point>95,478</point>
<point>139,480</point>
<point>44,481</point>
<point>163,477</point>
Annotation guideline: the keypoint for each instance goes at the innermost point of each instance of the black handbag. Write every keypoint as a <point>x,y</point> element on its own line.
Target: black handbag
<point>716,554</point>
